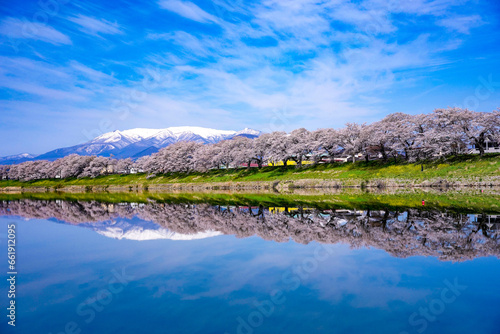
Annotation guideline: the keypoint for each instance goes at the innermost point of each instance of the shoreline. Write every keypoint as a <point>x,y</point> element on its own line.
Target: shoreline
<point>266,186</point>
<point>463,171</point>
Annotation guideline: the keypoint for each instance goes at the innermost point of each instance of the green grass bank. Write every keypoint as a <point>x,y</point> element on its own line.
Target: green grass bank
<point>461,170</point>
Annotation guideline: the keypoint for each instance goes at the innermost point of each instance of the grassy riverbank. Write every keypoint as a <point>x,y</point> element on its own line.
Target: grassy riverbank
<point>467,168</point>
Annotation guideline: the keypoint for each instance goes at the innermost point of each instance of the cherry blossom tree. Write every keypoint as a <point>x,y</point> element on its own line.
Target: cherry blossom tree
<point>232,152</point>
<point>446,136</point>
<point>205,158</point>
<point>261,149</point>
<point>73,165</point>
<point>300,144</point>
<point>353,139</point>
<point>123,166</point>
<point>279,147</point>
<point>4,172</point>
<point>476,127</point>
<point>382,136</point>
<point>326,141</point>
<point>96,167</point>
<point>243,151</point>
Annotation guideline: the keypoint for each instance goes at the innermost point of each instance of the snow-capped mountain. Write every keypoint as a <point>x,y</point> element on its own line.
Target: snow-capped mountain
<point>135,143</point>
<point>18,158</point>
<point>143,230</point>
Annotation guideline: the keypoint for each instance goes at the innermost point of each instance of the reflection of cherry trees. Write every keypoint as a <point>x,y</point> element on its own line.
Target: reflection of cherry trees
<point>449,236</point>
<point>70,212</point>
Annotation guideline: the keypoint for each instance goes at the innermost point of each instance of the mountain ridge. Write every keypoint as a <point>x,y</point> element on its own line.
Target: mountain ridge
<point>135,143</point>
<point>17,158</point>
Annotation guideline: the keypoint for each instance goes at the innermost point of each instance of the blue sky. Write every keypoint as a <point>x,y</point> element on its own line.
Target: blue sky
<point>71,70</point>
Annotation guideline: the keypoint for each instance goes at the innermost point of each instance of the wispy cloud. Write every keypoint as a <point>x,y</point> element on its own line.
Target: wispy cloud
<point>301,72</point>
<point>89,72</point>
<point>190,43</point>
<point>34,89</point>
<point>462,24</point>
<point>267,64</point>
<point>188,10</point>
<point>75,82</point>
<point>96,27</point>
<point>415,7</point>
<point>24,29</point>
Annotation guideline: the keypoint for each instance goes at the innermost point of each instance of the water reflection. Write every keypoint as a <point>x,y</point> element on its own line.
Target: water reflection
<point>401,232</point>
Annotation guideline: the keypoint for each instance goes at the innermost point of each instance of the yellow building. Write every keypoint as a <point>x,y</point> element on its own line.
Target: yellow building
<point>289,163</point>
<point>278,209</point>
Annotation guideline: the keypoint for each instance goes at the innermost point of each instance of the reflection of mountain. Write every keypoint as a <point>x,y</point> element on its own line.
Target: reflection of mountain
<point>448,236</point>
<point>143,230</point>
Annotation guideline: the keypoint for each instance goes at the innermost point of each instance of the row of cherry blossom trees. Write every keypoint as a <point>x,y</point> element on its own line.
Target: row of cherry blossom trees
<point>410,137</point>
<point>73,165</point>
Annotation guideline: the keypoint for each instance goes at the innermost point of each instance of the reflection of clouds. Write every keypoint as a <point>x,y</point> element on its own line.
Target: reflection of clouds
<point>346,273</point>
<point>223,277</point>
<point>224,266</point>
<point>347,276</point>
<point>367,284</point>
<point>357,276</point>
<point>255,270</point>
<point>174,286</point>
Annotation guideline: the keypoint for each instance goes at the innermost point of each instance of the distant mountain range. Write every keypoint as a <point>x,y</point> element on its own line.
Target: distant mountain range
<point>135,143</point>
<point>15,159</point>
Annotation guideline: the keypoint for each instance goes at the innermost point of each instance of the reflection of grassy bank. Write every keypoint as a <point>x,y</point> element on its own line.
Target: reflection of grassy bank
<point>463,169</point>
<point>453,201</point>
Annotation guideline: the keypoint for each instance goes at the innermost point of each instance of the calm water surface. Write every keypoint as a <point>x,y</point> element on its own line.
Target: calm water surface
<point>89,267</point>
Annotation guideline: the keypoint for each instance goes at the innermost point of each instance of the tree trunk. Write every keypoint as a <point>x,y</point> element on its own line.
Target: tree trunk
<point>480,143</point>
<point>382,151</point>
<point>331,157</point>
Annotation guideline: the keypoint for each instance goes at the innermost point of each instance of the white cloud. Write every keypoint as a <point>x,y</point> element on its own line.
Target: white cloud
<point>188,10</point>
<point>372,21</point>
<point>313,74</point>
<point>95,27</point>
<point>415,7</point>
<point>35,89</point>
<point>89,72</point>
<point>24,29</point>
<point>192,45</point>
<point>298,79</point>
<point>302,77</point>
<point>46,81</point>
<point>462,24</point>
